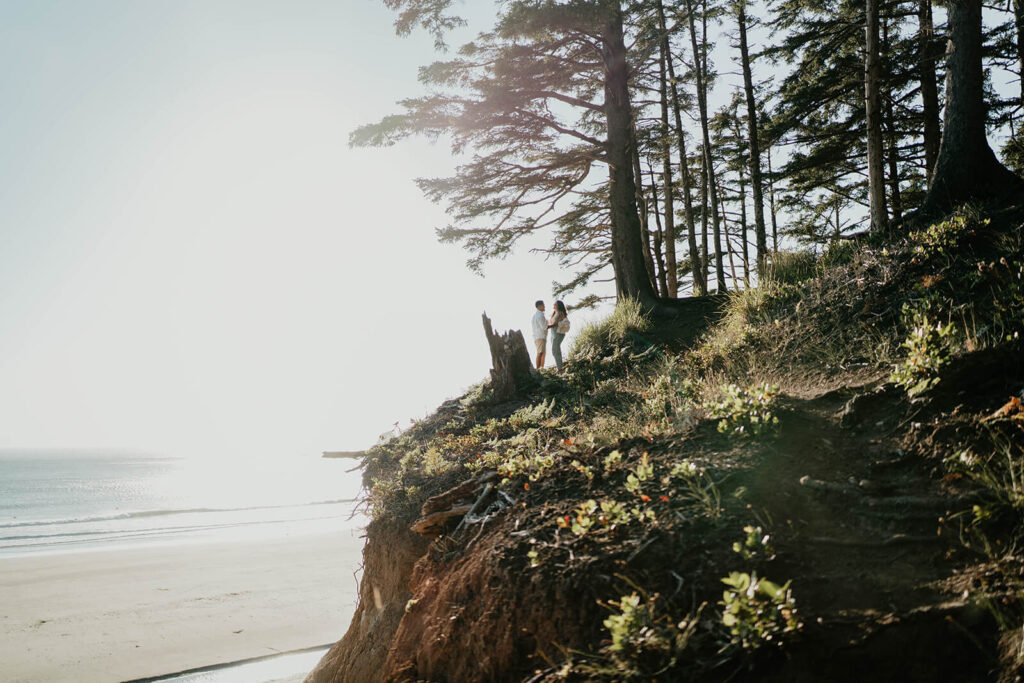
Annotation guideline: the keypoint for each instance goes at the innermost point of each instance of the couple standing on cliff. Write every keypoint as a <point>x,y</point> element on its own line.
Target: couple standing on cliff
<point>560,322</point>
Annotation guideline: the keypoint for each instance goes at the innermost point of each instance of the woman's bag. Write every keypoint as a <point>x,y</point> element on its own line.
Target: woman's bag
<point>563,326</point>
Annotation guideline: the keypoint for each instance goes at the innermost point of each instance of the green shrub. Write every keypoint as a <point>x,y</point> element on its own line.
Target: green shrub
<point>928,349</point>
<point>943,239</point>
<point>757,612</point>
<point>745,411</point>
<point>756,544</point>
<point>626,627</point>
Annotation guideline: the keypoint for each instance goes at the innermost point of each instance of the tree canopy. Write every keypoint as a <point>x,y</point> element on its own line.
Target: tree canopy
<point>603,128</point>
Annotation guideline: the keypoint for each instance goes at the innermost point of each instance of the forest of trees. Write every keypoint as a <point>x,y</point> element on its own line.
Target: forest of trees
<point>676,145</point>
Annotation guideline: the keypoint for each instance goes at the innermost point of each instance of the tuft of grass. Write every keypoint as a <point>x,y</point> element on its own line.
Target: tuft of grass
<point>791,267</point>
<point>600,339</point>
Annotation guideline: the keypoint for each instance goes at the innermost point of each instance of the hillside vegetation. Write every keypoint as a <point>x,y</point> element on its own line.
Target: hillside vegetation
<point>828,484</point>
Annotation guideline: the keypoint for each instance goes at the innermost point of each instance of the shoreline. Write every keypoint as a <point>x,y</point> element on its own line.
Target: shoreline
<point>158,611</point>
<point>210,673</point>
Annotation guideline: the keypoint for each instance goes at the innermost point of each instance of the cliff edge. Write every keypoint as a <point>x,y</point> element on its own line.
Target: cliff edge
<point>817,479</point>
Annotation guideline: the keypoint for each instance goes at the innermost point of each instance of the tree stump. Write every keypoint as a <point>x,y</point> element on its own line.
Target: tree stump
<point>511,370</point>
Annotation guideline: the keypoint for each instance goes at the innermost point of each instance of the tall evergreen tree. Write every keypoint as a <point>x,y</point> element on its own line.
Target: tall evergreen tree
<point>873,119</point>
<point>757,187</point>
<point>700,70</point>
<point>966,168</point>
<point>696,262</point>
<point>540,99</point>
<point>927,55</point>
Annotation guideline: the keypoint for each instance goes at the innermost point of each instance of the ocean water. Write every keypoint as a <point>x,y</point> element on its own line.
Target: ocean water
<point>71,501</point>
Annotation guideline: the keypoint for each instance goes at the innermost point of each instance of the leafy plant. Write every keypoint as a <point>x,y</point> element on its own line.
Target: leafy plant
<point>607,514</point>
<point>611,460</point>
<point>693,486</point>
<point>757,612</point>
<point>532,465</point>
<point>755,545</point>
<point>626,627</point>
<point>639,474</point>
<point>944,238</point>
<point>928,349</point>
<point>745,411</point>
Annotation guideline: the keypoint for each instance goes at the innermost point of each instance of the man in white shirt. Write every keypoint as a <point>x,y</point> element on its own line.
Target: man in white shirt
<point>540,333</point>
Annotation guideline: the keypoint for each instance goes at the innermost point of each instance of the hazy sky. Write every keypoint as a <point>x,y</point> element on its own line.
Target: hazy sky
<point>192,260</point>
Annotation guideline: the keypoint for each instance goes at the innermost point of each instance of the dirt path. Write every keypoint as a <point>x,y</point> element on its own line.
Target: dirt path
<point>860,525</point>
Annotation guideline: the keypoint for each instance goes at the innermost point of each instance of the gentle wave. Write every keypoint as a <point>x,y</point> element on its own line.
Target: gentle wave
<point>161,513</point>
<point>108,535</point>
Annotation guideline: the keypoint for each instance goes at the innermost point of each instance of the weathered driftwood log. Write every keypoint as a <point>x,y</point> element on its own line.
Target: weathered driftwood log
<point>434,525</point>
<point>466,492</point>
<point>511,369</point>
<point>440,510</point>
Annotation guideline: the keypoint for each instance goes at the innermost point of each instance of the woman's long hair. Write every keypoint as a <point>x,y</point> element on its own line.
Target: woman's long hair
<point>561,308</point>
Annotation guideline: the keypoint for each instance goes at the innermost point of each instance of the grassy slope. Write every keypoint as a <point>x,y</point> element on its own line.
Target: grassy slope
<point>886,514</point>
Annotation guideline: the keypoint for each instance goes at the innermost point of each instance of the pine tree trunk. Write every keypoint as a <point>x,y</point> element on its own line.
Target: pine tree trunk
<point>1018,19</point>
<point>627,242</point>
<point>645,228</point>
<point>708,164</point>
<point>929,87</point>
<point>876,176</point>
<point>966,168</point>
<point>700,287</point>
<point>649,258</point>
<point>728,246</point>
<point>666,161</point>
<point>771,200</point>
<point>755,146</point>
<point>743,230</point>
<point>705,261</point>
<point>659,239</point>
<point>892,155</point>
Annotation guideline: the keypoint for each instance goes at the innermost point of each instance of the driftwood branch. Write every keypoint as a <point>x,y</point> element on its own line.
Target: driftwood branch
<point>440,511</point>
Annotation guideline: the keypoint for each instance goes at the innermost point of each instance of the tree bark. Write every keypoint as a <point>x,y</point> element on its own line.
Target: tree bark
<point>705,261</point>
<point>929,87</point>
<point>872,101</point>
<point>708,164</point>
<point>641,204</point>
<point>627,243</point>
<point>728,247</point>
<point>665,145</point>
<point>649,258</point>
<point>700,287</point>
<point>771,200</point>
<point>744,229</point>
<point>756,183</point>
<point>699,284</point>
<point>1018,19</point>
<point>966,168</point>
<point>511,370</point>
<point>659,240</point>
<point>892,139</point>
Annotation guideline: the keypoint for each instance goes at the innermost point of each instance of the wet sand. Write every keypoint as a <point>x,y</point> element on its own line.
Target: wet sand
<point>122,614</point>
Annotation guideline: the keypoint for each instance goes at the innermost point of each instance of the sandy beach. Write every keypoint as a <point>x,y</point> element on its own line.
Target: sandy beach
<point>115,615</point>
